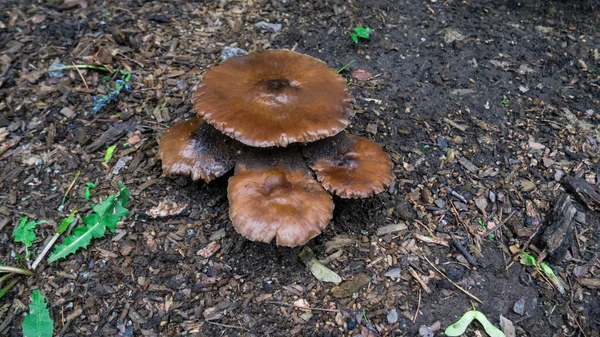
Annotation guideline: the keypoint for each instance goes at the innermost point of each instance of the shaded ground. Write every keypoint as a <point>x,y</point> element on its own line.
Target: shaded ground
<point>497,101</point>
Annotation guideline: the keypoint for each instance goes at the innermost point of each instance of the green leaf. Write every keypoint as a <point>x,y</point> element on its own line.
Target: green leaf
<point>553,278</point>
<point>363,32</point>
<point>24,232</point>
<point>528,260</point>
<point>90,184</point>
<point>105,215</point>
<point>109,153</point>
<point>38,323</point>
<point>66,222</point>
<point>354,37</point>
<point>460,326</point>
<point>87,193</point>
<point>320,271</point>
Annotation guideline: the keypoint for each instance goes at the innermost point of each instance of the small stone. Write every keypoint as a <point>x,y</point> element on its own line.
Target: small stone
<point>527,186</point>
<point>269,27</point>
<point>229,52</point>
<point>67,112</point>
<point>425,331</point>
<point>372,128</point>
<point>519,306</point>
<point>392,316</point>
<point>394,272</point>
<point>442,143</point>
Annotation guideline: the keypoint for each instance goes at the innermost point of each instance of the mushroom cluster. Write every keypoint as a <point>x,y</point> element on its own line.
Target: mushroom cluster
<point>276,117</point>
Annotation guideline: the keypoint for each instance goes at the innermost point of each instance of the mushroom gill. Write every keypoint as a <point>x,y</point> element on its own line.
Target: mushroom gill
<point>350,166</point>
<point>274,98</point>
<point>195,148</point>
<point>273,195</point>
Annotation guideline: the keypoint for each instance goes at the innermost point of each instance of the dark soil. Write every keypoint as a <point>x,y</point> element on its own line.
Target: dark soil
<point>494,101</point>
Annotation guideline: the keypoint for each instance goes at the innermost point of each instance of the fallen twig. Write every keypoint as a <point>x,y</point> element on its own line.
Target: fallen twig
<point>418,307</point>
<point>420,280</point>
<point>454,283</point>
<point>300,307</point>
<point>502,223</point>
<point>227,325</point>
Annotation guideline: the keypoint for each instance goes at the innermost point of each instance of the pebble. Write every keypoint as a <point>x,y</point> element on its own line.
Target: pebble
<point>392,316</point>
<point>67,112</point>
<point>372,128</point>
<point>442,143</point>
<point>229,52</point>
<point>269,27</point>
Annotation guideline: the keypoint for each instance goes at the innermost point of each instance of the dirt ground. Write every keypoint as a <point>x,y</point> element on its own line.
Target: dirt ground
<point>485,107</point>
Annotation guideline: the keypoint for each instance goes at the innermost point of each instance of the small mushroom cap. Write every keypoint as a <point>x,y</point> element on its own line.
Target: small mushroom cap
<point>350,166</point>
<point>195,148</point>
<point>274,98</point>
<point>278,201</point>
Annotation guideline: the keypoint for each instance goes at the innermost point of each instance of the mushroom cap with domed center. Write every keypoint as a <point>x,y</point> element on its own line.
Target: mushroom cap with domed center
<point>350,166</point>
<point>274,98</point>
<point>274,196</point>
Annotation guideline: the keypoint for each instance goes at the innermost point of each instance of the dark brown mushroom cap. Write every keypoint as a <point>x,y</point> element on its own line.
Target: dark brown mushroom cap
<point>350,166</point>
<point>274,98</point>
<point>277,199</point>
<point>195,148</point>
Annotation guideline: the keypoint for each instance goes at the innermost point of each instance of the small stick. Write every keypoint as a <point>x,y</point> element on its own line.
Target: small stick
<point>70,187</point>
<point>299,307</point>
<point>77,66</point>
<point>454,283</point>
<point>45,251</point>
<point>81,75</point>
<point>490,231</point>
<point>418,222</point>
<point>227,325</point>
<point>465,253</point>
<point>418,307</point>
<point>455,212</point>
<point>420,280</point>
<point>9,269</point>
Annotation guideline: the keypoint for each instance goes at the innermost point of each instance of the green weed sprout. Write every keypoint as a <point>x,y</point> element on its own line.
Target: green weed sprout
<point>362,32</point>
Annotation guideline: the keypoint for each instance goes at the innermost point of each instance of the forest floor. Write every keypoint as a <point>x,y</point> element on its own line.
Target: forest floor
<point>489,109</point>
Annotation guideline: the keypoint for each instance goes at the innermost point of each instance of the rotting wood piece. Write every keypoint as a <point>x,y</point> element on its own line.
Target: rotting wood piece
<point>585,192</point>
<point>556,234</point>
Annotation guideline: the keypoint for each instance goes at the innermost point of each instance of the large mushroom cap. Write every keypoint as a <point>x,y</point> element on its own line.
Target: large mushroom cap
<point>271,198</point>
<point>195,148</point>
<point>274,98</point>
<point>350,166</point>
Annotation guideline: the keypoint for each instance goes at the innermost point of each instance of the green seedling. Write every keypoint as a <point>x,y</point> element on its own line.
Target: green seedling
<point>38,322</point>
<point>362,32</point>
<point>109,153</point>
<point>345,66</point>
<point>105,216</point>
<point>88,187</point>
<point>25,233</point>
<point>460,326</point>
<point>490,236</point>
<point>529,260</point>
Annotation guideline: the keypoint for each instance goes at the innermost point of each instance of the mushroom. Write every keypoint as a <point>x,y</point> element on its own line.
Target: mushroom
<point>195,148</point>
<point>274,98</point>
<point>272,194</point>
<point>350,166</point>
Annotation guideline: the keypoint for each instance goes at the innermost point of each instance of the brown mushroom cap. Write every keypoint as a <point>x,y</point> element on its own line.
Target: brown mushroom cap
<point>277,199</point>
<point>195,148</point>
<point>350,166</point>
<point>274,98</point>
